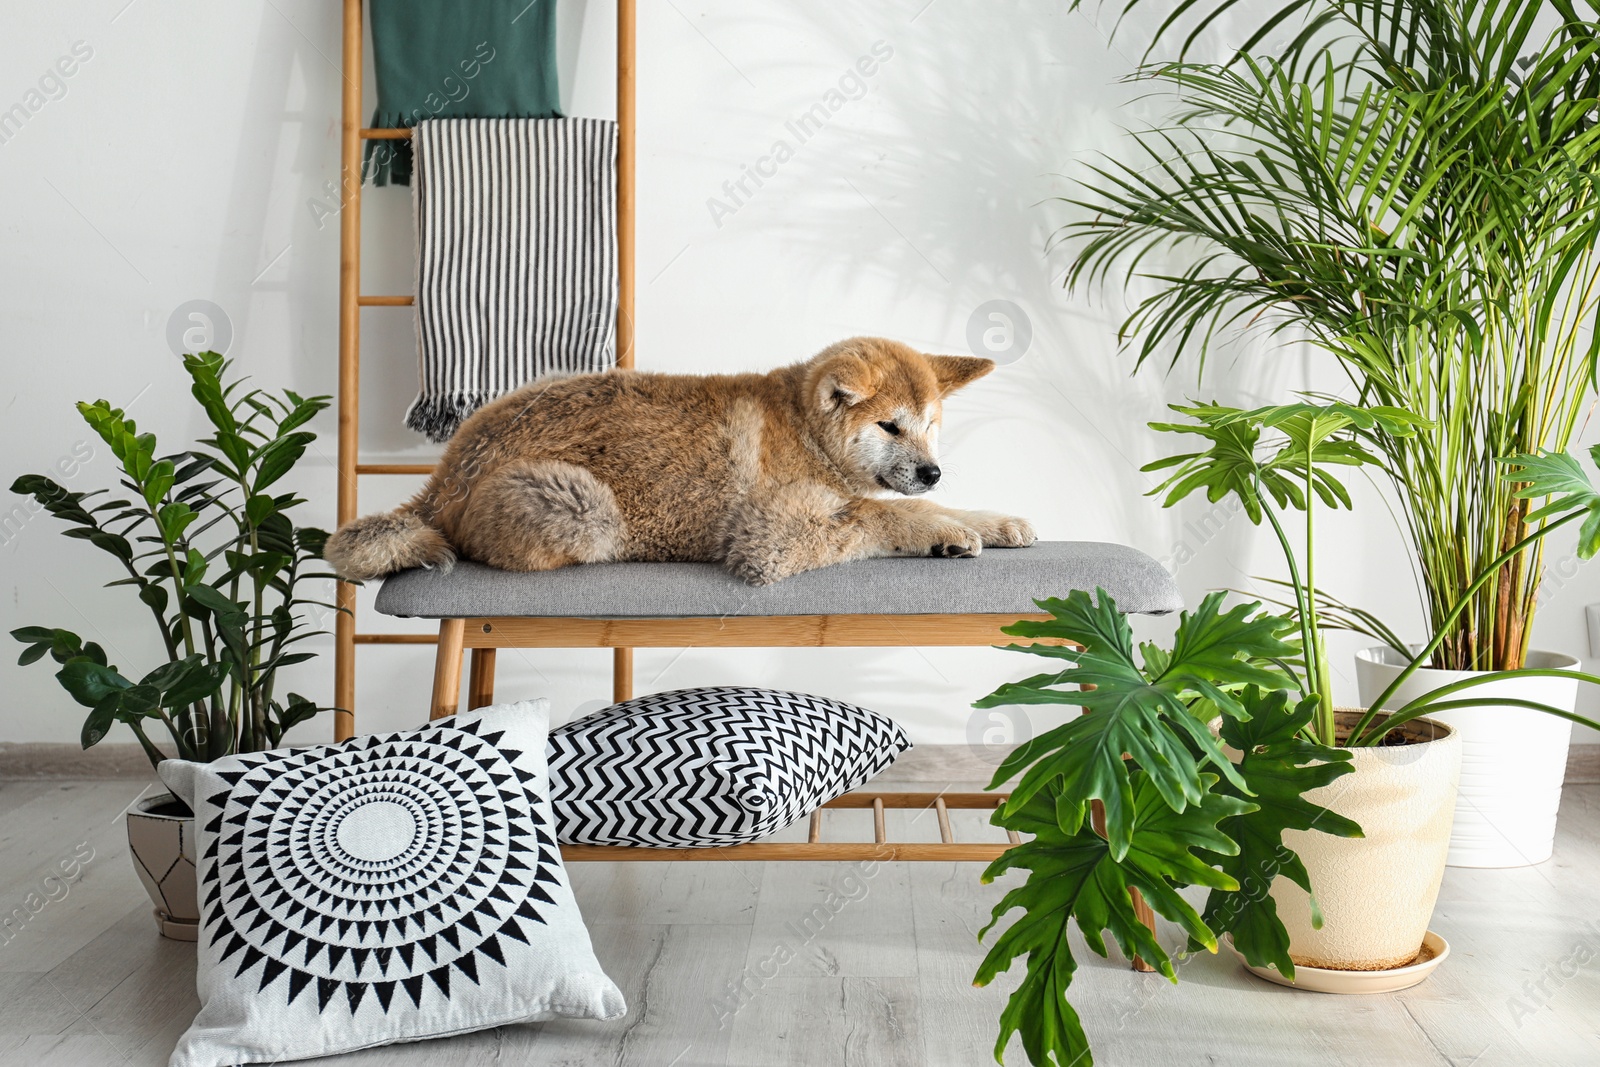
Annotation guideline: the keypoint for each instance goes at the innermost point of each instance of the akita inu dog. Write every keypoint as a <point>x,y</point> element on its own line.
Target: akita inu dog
<point>771,474</point>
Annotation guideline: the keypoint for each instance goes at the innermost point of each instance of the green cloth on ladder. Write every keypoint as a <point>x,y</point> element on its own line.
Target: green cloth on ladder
<point>437,59</point>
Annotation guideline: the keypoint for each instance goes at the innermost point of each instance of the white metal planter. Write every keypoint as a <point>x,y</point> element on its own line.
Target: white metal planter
<point>1513,759</point>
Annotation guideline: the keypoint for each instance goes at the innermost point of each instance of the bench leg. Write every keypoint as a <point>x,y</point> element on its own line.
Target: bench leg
<point>447,668</point>
<point>621,675</point>
<point>480,679</point>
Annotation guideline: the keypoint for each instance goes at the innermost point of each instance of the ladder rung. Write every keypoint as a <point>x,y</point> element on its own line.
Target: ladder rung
<point>917,800</point>
<point>393,134</point>
<point>386,301</point>
<point>394,468</point>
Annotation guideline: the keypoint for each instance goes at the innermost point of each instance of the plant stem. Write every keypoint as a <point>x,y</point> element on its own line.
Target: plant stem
<point>193,725</point>
<point>1429,702</point>
<point>1301,615</point>
<point>1455,613</point>
<point>151,752</point>
<point>1316,659</point>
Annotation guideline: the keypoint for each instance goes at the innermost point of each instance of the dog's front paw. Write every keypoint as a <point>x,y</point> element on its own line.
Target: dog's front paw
<point>954,540</point>
<point>1001,531</point>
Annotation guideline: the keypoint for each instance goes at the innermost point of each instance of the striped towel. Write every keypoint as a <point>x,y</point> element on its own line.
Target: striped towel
<point>516,258</point>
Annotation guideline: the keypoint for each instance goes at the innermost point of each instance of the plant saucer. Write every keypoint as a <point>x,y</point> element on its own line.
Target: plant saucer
<point>1323,980</point>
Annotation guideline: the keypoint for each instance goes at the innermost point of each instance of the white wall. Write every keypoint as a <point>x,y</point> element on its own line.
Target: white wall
<point>191,156</point>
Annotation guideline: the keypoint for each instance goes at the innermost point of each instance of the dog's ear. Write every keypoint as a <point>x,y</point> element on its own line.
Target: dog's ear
<point>845,381</point>
<point>953,372</point>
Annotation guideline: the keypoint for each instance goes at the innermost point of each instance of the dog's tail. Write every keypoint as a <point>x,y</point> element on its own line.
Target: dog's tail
<point>375,545</point>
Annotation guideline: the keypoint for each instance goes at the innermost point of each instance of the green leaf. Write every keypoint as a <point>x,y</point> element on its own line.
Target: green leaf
<point>279,457</point>
<point>205,372</point>
<point>115,430</point>
<point>213,599</point>
<point>258,507</point>
<point>60,645</point>
<point>185,681</point>
<point>1215,648</point>
<point>1280,766</point>
<point>138,702</point>
<point>100,719</point>
<point>1075,877</point>
<point>195,567</point>
<point>113,543</point>
<point>298,710</point>
<point>158,482</point>
<point>89,682</point>
<point>1240,463</point>
<point>1229,466</point>
<point>55,499</point>
<point>1133,713</point>
<point>235,449</point>
<point>1560,477</point>
<point>311,541</point>
<point>174,519</point>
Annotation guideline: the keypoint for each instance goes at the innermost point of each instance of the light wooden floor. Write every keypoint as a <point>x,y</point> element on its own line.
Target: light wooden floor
<point>880,977</point>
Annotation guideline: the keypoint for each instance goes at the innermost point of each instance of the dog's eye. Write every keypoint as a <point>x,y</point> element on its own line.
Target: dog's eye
<point>889,428</point>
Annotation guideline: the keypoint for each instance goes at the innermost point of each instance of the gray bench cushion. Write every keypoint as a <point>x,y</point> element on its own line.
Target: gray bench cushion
<point>1000,581</point>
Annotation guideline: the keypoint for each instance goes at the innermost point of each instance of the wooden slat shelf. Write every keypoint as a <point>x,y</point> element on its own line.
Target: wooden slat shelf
<point>946,850</point>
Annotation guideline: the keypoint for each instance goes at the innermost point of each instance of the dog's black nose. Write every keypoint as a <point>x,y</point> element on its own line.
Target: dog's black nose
<point>928,474</point>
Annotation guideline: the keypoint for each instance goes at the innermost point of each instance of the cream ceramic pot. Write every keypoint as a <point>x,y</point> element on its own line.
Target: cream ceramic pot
<point>1513,760</point>
<point>1376,892</point>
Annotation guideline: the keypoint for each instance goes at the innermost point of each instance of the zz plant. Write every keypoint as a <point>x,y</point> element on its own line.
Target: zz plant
<point>215,558</point>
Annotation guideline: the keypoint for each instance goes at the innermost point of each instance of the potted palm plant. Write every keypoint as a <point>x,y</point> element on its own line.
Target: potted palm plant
<point>1411,188</point>
<point>219,563</point>
<point>1320,832</point>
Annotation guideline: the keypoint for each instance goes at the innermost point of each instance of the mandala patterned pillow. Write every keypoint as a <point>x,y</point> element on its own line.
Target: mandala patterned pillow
<point>713,766</point>
<point>392,887</point>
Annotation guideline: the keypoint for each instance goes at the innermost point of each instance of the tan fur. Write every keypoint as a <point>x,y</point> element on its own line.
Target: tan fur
<point>771,474</point>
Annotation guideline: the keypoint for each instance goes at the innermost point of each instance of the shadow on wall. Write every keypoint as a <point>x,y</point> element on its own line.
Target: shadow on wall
<point>957,126</point>
<point>931,162</point>
<point>277,261</point>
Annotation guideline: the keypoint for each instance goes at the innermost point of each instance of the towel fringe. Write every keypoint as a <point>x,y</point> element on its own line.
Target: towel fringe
<point>439,417</point>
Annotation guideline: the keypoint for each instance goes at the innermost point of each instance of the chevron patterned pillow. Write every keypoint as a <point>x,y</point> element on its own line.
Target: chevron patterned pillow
<point>714,766</point>
<point>392,887</point>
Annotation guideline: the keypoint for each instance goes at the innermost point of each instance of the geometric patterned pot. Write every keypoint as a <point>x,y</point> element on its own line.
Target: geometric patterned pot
<point>161,842</point>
